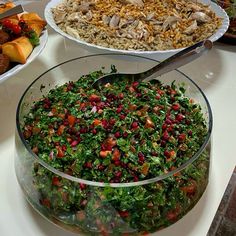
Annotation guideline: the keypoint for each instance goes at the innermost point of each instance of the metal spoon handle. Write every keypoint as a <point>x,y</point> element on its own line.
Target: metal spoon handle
<point>179,59</point>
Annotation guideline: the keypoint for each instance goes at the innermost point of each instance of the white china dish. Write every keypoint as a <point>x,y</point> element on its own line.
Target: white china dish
<point>158,55</point>
<point>35,53</point>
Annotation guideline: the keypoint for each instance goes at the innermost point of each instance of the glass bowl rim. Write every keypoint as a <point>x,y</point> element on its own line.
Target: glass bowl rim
<point>103,184</point>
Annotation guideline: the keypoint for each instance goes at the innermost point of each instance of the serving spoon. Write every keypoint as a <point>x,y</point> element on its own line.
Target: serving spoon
<point>177,60</point>
<point>12,11</point>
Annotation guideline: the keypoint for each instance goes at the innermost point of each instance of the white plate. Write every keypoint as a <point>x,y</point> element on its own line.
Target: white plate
<point>36,51</point>
<point>150,54</point>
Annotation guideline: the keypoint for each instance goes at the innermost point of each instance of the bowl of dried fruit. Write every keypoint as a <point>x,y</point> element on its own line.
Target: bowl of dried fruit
<point>156,29</point>
<point>124,158</point>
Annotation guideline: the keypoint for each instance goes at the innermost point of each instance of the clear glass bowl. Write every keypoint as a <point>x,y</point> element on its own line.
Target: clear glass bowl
<point>145,206</point>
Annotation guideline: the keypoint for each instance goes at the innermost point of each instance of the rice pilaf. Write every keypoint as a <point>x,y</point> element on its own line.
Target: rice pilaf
<point>144,25</point>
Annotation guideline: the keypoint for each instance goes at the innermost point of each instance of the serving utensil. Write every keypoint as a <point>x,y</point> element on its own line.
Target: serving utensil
<point>13,11</point>
<point>179,59</point>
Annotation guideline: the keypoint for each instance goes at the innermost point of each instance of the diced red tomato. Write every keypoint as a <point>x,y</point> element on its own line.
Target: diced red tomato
<point>71,120</point>
<point>94,98</point>
<point>16,29</point>
<point>124,214</point>
<point>60,130</point>
<point>116,155</point>
<point>7,23</point>
<point>56,181</point>
<point>36,130</point>
<point>104,154</point>
<point>110,142</point>
<point>61,115</point>
<point>60,152</point>
<point>171,215</point>
<point>190,189</point>
<point>46,202</point>
<point>96,122</point>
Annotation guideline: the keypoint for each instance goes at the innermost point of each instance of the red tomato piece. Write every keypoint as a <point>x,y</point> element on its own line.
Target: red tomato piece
<point>7,23</point>
<point>16,29</point>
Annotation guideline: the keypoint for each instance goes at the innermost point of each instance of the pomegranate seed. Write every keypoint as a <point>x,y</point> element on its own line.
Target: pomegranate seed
<point>125,134</point>
<point>88,165</point>
<point>124,165</point>
<point>169,129</point>
<point>179,117</point>
<point>134,125</point>
<point>112,121</point>
<point>168,121</point>
<point>83,130</point>
<point>82,186</point>
<point>117,163</point>
<point>124,214</point>
<point>74,143</point>
<point>46,106</point>
<point>122,117</point>
<point>182,137</point>
<point>167,153</point>
<point>175,106</point>
<point>63,147</point>
<point>121,96</point>
<point>164,126</point>
<point>94,131</point>
<point>101,167</point>
<point>103,147</point>
<point>163,143</point>
<point>117,134</point>
<point>136,178</point>
<point>65,122</point>
<point>141,158</point>
<point>108,148</point>
<point>165,136</point>
<point>190,133</point>
<point>118,110</point>
<point>188,122</point>
<point>116,180</point>
<point>118,174</point>
<point>105,124</point>
<point>139,95</point>
<point>135,84</point>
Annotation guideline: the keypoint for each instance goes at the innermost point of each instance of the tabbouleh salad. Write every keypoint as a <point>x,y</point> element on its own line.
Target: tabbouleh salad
<point>120,133</point>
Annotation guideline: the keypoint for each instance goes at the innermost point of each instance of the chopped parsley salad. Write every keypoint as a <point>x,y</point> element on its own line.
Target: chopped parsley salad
<point>120,133</point>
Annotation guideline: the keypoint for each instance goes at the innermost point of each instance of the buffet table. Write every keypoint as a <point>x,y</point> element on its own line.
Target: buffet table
<point>214,73</point>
